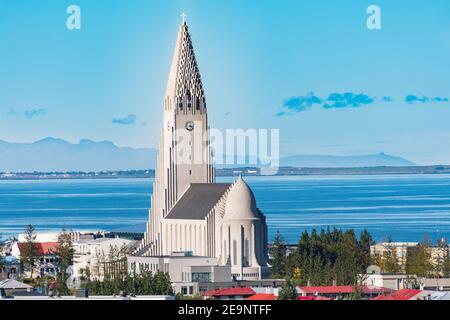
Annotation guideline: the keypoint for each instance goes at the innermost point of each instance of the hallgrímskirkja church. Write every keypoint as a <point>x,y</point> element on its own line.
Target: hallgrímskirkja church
<point>190,212</point>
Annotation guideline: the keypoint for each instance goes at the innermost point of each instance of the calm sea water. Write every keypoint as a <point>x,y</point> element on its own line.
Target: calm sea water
<point>404,207</point>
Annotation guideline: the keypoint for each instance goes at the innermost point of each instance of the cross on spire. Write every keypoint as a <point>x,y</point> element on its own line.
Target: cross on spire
<point>183,17</point>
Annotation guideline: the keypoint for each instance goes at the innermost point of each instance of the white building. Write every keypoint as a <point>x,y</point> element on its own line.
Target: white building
<point>91,254</point>
<point>387,280</point>
<point>403,249</point>
<point>14,285</point>
<point>46,262</point>
<point>190,212</point>
<point>53,236</point>
<point>41,237</point>
<point>400,249</point>
<point>186,272</point>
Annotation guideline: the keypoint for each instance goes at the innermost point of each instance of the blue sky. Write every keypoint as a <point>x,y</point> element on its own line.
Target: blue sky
<point>310,68</point>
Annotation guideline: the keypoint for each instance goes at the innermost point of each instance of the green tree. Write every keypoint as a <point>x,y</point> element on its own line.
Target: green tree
<point>293,270</point>
<point>114,262</point>
<point>364,244</point>
<point>29,253</point>
<point>347,264</point>
<point>388,260</point>
<point>163,285</point>
<point>329,257</point>
<point>65,250</point>
<point>2,263</point>
<point>288,291</point>
<point>144,283</point>
<point>278,257</point>
<point>442,264</point>
<point>418,260</point>
<point>2,259</point>
<point>357,293</point>
<point>65,253</point>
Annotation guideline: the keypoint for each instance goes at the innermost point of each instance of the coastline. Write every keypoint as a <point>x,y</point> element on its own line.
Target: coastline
<point>231,172</point>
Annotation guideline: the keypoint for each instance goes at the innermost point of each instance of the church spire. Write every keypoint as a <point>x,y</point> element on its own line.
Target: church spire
<point>184,156</point>
<point>184,83</point>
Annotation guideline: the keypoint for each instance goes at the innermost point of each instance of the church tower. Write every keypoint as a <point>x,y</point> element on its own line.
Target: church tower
<point>190,213</point>
<point>184,152</point>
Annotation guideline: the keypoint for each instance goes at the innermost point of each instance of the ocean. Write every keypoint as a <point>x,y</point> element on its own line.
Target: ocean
<point>403,207</point>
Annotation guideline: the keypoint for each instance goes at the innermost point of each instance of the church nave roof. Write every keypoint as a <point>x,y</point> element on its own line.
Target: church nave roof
<point>198,201</point>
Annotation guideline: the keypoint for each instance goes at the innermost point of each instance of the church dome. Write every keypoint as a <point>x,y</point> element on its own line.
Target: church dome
<point>240,203</point>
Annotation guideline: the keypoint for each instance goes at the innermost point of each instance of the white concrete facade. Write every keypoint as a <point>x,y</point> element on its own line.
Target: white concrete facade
<point>90,254</point>
<point>185,271</point>
<point>390,281</point>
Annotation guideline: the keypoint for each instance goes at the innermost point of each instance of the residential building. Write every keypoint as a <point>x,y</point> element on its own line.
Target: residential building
<point>47,260</point>
<point>187,272</point>
<point>388,280</point>
<point>12,285</point>
<point>400,249</point>
<point>94,256</point>
<point>403,249</point>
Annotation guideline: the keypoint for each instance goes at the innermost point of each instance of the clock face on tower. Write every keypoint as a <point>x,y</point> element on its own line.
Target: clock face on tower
<point>189,125</point>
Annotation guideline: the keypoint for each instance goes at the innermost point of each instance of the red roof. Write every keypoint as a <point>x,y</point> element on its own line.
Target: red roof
<point>43,248</point>
<point>344,289</point>
<point>404,294</point>
<point>327,289</point>
<point>313,298</point>
<point>262,296</point>
<point>376,290</point>
<point>307,298</point>
<point>230,292</point>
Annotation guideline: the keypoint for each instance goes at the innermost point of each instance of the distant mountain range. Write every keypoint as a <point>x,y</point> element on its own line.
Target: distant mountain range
<point>373,160</point>
<point>51,154</point>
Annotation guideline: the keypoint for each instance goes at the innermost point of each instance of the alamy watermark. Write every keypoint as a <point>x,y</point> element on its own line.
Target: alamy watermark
<point>374,19</point>
<point>73,21</point>
<point>230,148</point>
